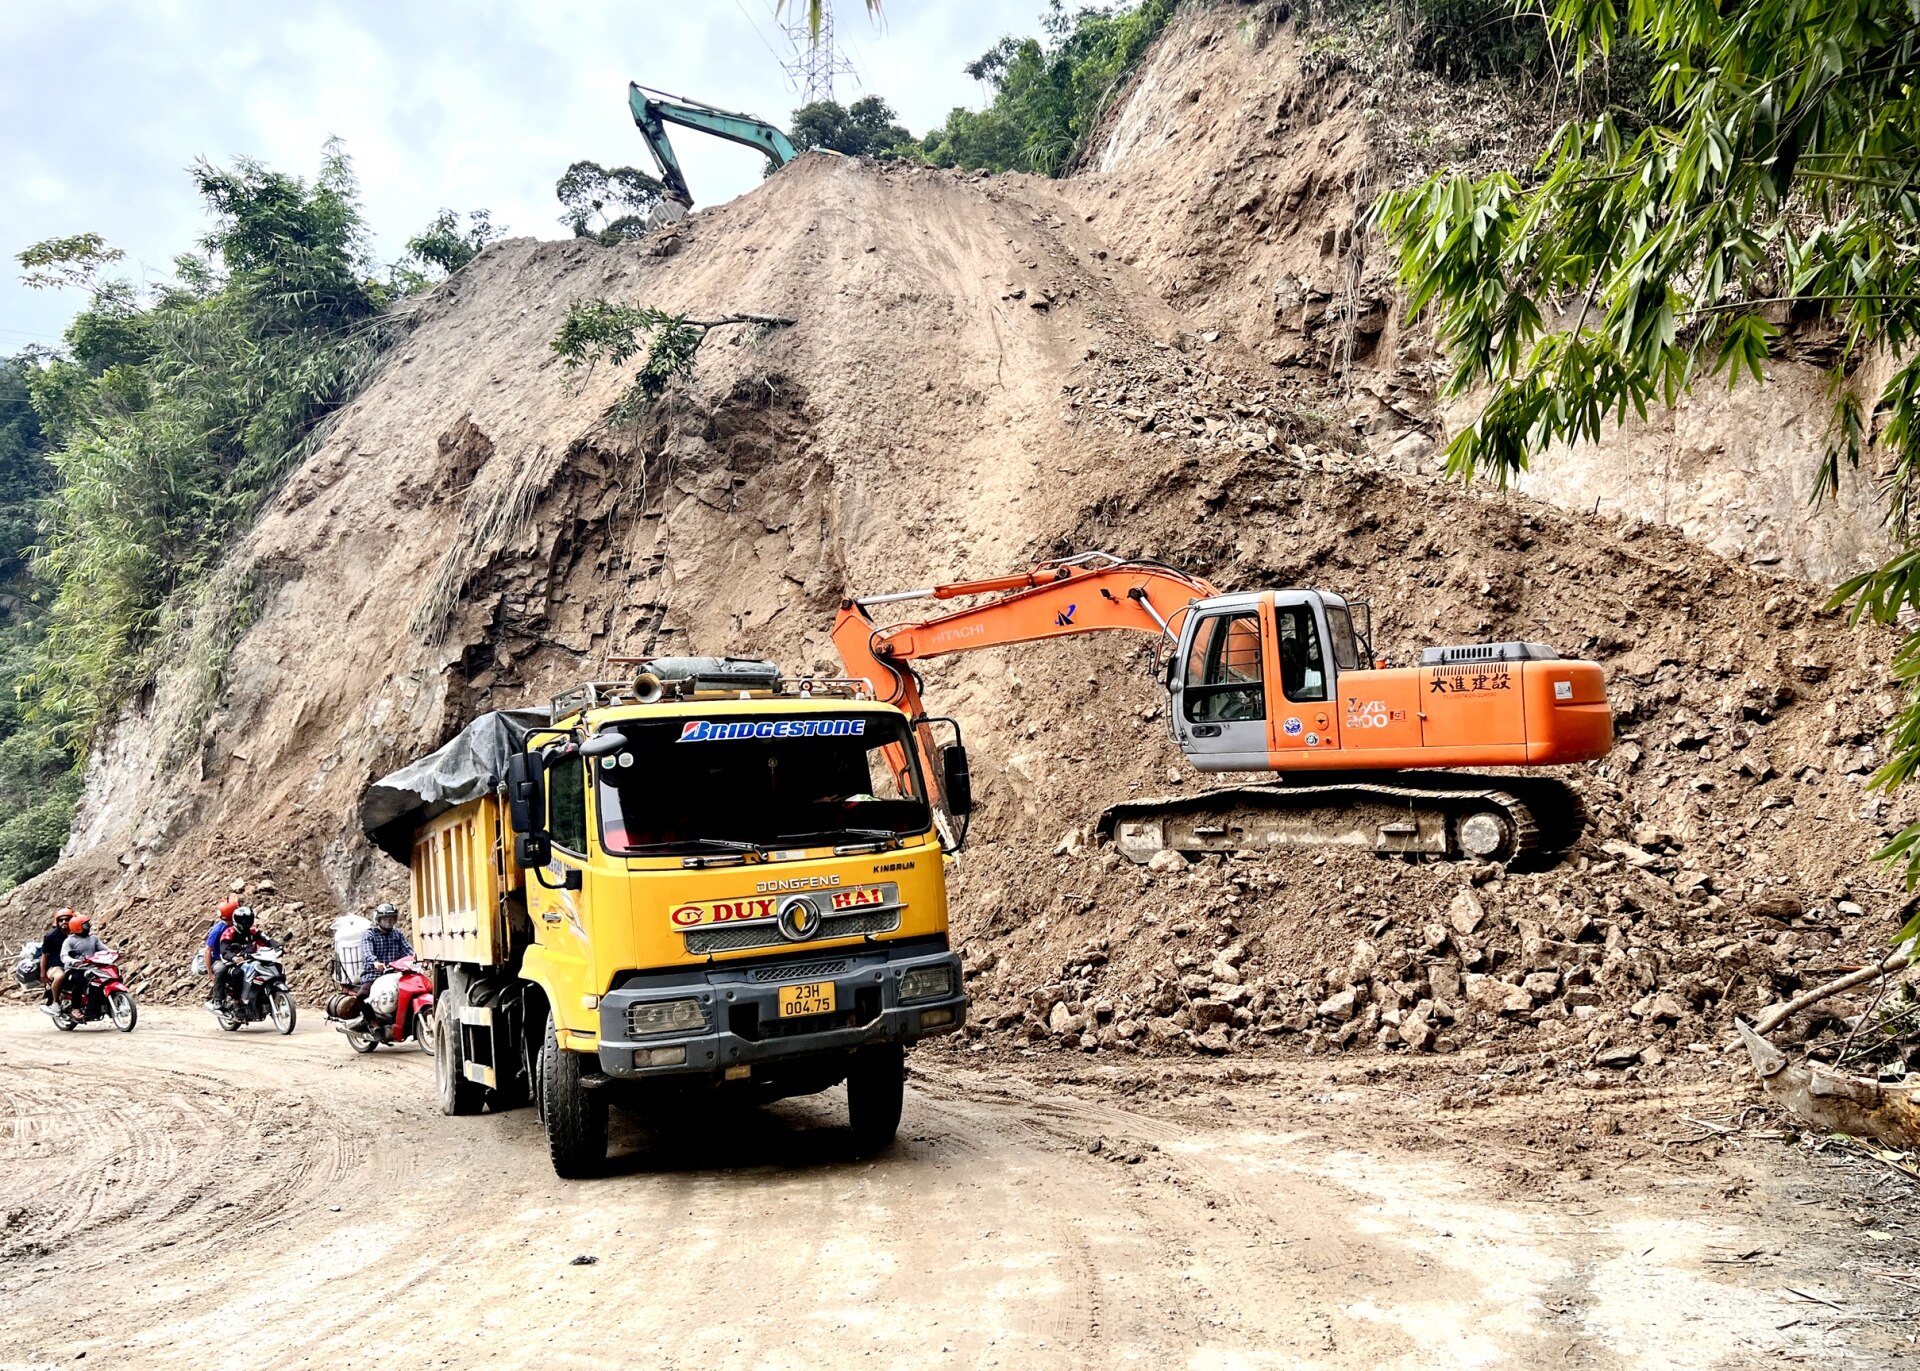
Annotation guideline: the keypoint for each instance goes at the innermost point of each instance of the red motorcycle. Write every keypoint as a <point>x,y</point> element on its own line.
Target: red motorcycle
<point>92,990</point>
<point>397,1006</point>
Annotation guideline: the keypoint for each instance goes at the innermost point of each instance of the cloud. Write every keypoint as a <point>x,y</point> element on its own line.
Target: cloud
<point>462,104</point>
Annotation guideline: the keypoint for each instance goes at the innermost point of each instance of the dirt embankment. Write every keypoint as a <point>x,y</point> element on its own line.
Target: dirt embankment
<point>978,378</point>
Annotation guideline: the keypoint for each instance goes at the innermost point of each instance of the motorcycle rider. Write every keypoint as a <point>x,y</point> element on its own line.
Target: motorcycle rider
<point>381,946</point>
<point>80,945</point>
<point>222,921</point>
<point>50,944</point>
<point>235,943</point>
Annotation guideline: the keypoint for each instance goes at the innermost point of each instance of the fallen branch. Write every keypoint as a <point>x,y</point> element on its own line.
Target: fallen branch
<point>1897,960</point>
<point>1833,1100</point>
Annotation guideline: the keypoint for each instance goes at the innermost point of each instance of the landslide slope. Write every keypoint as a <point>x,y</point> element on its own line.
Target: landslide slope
<point>976,378</point>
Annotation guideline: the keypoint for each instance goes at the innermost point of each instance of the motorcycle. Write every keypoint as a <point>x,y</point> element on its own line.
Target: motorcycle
<point>397,1006</point>
<point>93,990</point>
<point>263,993</point>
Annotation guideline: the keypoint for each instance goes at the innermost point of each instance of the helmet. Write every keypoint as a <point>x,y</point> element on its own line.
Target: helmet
<point>243,919</point>
<point>62,916</point>
<point>385,910</point>
<point>79,923</point>
<point>227,906</point>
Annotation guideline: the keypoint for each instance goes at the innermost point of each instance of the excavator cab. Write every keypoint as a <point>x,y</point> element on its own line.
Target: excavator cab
<point>1258,673</point>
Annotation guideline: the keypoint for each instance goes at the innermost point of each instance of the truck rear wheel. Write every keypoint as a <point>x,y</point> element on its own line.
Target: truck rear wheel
<point>876,1088</point>
<point>458,1095</point>
<point>576,1117</point>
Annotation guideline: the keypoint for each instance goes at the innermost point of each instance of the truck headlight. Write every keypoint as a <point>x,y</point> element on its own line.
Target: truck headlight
<point>926,983</point>
<point>665,1016</point>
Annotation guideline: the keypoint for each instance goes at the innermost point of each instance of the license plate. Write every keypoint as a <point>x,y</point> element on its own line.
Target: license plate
<point>798,1001</point>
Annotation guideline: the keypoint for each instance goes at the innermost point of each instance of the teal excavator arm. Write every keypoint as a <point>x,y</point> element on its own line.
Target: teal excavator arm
<point>653,110</point>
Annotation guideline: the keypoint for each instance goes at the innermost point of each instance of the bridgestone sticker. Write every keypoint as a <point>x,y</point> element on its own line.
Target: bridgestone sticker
<point>707,731</point>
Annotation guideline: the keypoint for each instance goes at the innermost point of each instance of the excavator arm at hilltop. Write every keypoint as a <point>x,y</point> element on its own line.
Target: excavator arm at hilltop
<point>1284,682</point>
<point>653,110</point>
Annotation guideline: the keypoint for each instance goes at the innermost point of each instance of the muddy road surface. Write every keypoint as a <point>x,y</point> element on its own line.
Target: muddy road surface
<point>181,1197</point>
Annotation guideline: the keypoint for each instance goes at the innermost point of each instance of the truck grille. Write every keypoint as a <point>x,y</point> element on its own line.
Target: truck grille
<point>702,941</point>
<point>802,971</point>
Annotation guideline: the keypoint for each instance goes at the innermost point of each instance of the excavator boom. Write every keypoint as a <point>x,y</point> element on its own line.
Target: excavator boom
<point>1284,682</point>
<point>653,110</point>
<point>1053,600</point>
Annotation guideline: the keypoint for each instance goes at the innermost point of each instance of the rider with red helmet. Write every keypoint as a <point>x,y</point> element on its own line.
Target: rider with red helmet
<point>79,945</point>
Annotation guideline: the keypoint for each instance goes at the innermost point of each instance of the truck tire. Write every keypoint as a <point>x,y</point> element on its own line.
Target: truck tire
<point>876,1086</point>
<point>576,1117</point>
<point>458,1095</point>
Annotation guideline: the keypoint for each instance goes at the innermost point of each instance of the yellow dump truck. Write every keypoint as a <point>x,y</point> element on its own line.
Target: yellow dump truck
<point>711,877</point>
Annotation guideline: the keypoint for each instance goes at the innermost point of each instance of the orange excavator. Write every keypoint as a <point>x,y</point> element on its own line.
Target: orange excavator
<point>1285,681</point>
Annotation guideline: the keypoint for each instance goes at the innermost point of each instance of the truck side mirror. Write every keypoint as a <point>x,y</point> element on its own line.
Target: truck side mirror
<point>956,778</point>
<point>527,808</point>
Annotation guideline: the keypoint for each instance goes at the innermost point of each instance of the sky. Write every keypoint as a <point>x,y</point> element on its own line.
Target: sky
<point>460,104</point>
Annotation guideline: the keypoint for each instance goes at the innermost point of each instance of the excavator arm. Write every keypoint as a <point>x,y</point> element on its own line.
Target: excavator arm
<point>1082,594</point>
<point>653,110</point>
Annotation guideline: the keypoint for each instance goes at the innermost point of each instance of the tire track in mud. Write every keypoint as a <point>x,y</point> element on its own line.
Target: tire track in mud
<point>175,1161</point>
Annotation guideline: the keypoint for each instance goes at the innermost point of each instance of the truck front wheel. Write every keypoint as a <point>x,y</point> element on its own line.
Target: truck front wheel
<point>876,1086</point>
<point>576,1117</point>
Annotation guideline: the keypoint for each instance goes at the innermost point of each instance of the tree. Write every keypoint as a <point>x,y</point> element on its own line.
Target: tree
<point>1047,96</point>
<point>1771,176</point>
<point>865,128</point>
<point>587,190</point>
<point>442,248</point>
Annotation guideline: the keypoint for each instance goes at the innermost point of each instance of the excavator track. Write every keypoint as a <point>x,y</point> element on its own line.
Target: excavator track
<point>1443,816</point>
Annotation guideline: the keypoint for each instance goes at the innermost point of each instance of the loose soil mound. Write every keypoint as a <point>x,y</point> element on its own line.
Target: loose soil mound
<point>977,380</point>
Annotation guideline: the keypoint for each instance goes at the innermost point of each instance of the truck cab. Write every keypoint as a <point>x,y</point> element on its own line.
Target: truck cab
<point>711,877</point>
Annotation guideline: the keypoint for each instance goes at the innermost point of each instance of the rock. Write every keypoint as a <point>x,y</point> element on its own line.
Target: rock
<point>1214,1040</point>
<point>1651,1055</point>
<point>1062,1020</point>
<point>1618,1058</point>
<point>1849,909</point>
<point>1224,972</point>
<point>1166,859</point>
<point>1536,954</point>
<point>1541,984</point>
<point>1195,984</point>
<point>1341,1006</point>
<point>1465,914</point>
<point>1780,905</point>
<point>1497,997</point>
<point>1210,1011</point>
<point>1443,982</point>
<point>1161,1032</point>
<point>1235,995</point>
<point>1631,855</point>
<point>1433,939</point>
<point>1659,1008</point>
<point>1234,955</point>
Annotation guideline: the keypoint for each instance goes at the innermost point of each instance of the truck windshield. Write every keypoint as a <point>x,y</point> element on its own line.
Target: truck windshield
<point>703,784</point>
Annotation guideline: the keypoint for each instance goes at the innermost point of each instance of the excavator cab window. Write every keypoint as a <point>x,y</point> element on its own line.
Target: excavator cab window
<point>1223,671</point>
<point>1346,653</point>
<point>1303,670</point>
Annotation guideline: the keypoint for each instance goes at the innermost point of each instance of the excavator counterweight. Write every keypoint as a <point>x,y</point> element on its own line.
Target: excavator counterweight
<point>1284,682</point>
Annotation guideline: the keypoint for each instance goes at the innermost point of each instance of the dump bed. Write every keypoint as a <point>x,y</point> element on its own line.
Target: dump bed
<point>463,876</point>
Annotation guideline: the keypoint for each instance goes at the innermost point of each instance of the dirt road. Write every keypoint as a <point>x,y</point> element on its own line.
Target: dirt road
<point>181,1197</point>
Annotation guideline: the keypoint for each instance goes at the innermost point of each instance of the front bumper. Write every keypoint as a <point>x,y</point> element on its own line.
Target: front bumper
<point>741,1005</point>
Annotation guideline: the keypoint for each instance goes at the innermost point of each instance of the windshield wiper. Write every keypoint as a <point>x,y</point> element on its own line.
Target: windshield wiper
<point>721,844</point>
<point>871,835</point>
